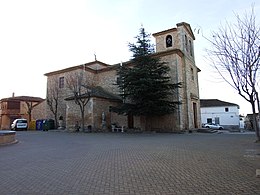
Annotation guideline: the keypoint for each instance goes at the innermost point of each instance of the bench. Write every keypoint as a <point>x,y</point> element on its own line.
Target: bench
<point>117,128</point>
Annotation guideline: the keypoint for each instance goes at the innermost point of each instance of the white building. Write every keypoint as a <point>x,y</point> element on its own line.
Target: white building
<point>216,111</point>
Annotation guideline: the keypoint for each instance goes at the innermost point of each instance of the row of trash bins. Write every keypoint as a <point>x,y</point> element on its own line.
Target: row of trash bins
<point>44,124</point>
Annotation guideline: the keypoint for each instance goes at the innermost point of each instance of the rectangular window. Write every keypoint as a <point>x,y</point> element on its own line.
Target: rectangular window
<point>192,74</point>
<point>13,105</point>
<point>226,110</point>
<point>209,120</point>
<point>191,50</point>
<point>61,82</point>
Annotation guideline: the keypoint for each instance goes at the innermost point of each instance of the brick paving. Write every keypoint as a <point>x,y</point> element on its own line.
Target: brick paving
<point>118,163</point>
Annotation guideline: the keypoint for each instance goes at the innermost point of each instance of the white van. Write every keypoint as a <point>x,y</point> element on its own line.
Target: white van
<point>19,124</point>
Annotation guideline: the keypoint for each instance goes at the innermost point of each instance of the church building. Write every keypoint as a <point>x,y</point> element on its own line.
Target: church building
<point>174,46</point>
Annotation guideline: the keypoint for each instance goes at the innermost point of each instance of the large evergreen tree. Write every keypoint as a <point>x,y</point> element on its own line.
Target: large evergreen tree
<point>145,85</point>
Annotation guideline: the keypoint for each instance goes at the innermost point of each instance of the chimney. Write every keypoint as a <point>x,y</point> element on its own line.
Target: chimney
<point>13,94</point>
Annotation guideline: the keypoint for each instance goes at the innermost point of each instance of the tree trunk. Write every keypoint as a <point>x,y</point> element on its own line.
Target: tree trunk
<point>258,117</point>
<point>255,122</point>
<point>82,119</point>
<point>30,117</point>
<point>56,121</point>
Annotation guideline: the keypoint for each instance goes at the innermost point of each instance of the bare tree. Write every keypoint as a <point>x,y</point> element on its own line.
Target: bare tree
<point>53,99</point>
<point>30,105</point>
<point>235,54</point>
<point>81,90</point>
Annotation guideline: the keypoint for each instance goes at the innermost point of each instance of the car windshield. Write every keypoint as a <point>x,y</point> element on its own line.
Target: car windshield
<point>21,121</point>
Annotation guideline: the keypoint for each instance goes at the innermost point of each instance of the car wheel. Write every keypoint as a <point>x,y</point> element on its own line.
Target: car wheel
<point>220,128</point>
<point>207,127</point>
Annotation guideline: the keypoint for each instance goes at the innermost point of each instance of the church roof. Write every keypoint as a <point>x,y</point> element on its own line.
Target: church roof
<point>93,66</point>
<point>184,24</point>
<point>187,27</point>
<point>100,93</point>
<point>215,103</point>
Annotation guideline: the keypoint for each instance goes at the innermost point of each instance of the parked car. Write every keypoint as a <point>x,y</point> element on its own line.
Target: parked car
<point>19,124</point>
<point>213,126</point>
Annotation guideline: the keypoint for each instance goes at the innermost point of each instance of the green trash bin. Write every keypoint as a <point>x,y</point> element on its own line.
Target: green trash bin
<point>48,124</point>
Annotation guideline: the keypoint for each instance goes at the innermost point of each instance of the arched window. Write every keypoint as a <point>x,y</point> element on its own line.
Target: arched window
<point>168,41</point>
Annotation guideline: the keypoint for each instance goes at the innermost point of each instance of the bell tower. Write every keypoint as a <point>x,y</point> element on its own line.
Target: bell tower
<point>175,47</point>
<point>180,37</point>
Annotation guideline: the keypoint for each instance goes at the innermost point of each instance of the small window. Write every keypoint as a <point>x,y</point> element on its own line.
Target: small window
<point>209,120</point>
<point>191,50</point>
<point>186,43</point>
<point>192,74</point>
<point>61,82</point>
<point>168,41</point>
<point>226,110</point>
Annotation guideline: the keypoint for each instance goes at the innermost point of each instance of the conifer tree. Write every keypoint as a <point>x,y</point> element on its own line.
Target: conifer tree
<point>145,86</point>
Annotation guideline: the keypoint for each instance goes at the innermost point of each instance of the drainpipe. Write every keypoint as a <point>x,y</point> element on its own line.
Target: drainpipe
<point>178,95</point>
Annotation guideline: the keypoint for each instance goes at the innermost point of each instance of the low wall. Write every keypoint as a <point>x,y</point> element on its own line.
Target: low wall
<point>7,137</point>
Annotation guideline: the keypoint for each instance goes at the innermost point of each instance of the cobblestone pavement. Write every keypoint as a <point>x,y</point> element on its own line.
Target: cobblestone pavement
<point>118,163</point>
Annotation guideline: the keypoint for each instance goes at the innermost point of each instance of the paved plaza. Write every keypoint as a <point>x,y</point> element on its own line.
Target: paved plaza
<point>119,163</point>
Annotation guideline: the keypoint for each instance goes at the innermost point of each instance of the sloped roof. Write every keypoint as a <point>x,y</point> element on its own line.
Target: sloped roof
<point>91,66</point>
<point>215,103</point>
<point>186,26</point>
<point>100,93</point>
<point>24,98</point>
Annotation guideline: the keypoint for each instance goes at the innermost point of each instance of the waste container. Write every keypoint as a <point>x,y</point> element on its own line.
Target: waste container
<point>39,124</point>
<point>32,125</point>
<point>48,124</point>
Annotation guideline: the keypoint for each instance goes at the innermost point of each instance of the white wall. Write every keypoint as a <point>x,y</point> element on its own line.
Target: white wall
<point>230,118</point>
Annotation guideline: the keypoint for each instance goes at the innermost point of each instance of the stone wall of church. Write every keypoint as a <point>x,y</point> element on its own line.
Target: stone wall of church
<point>53,87</point>
<point>39,111</point>
<point>94,117</point>
<point>103,106</point>
<point>183,69</point>
<point>161,41</point>
<point>65,92</point>
<point>73,115</point>
<point>176,121</point>
<point>107,80</point>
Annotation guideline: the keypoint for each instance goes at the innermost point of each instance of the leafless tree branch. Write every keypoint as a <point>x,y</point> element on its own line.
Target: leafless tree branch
<point>235,54</point>
<point>81,91</point>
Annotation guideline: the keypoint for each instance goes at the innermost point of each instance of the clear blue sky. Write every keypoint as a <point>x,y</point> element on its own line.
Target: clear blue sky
<point>39,36</point>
